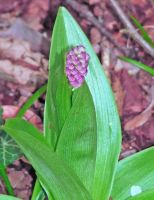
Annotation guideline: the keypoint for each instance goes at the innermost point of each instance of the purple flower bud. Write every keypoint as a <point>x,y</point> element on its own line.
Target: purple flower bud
<point>77,66</point>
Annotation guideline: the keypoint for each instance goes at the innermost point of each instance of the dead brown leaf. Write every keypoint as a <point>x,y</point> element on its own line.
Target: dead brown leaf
<point>21,65</point>
<point>134,101</point>
<point>22,31</point>
<point>142,118</point>
<point>21,182</point>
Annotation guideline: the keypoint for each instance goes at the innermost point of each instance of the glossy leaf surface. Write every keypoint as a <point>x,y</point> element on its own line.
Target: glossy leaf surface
<point>148,195</point>
<point>57,179</point>
<point>7,197</point>
<point>134,171</point>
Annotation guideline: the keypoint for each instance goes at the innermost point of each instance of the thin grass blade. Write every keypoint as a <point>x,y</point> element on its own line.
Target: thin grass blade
<point>139,65</point>
<point>144,34</point>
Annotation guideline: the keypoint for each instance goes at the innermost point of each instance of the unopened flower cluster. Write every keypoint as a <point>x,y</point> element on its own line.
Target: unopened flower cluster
<point>77,66</point>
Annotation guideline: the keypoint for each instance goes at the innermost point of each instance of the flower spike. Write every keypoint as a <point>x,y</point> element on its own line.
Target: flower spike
<point>77,66</point>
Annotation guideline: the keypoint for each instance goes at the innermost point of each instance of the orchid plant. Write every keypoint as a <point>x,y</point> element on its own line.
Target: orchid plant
<point>76,158</point>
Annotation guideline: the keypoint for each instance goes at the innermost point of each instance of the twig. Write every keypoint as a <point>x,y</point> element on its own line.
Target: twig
<point>135,35</point>
<point>84,12</point>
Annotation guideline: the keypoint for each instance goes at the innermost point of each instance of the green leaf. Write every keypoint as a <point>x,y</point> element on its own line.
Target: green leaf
<point>56,177</point>
<point>139,64</point>
<point>77,141</point>
<point>145,35</point>
<point>148,195</point>
<point>7,197</point>
<point>38,193</point>
<point>83,126</point>
<point>136,170</point>
<point>9,150</point>
<point>31,101</point>
<point>5,178</point>
<point>59,94</point>
<point>1,113</point>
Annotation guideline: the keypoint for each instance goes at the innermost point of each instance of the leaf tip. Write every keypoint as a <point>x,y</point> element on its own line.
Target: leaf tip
<point>62,10</point>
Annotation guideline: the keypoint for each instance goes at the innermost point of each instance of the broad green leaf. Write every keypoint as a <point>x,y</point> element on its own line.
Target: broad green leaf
<point>136,170</point>
<point>31,101</point>
<point>58,97</point>
<point>56,177</point>
<point>7,197</point>
<point>144,34</point>
<point>77,141</point>
<point>9,150</point>
<point>139,64</point>
<point>67,117</point>
<point>148,195</point>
